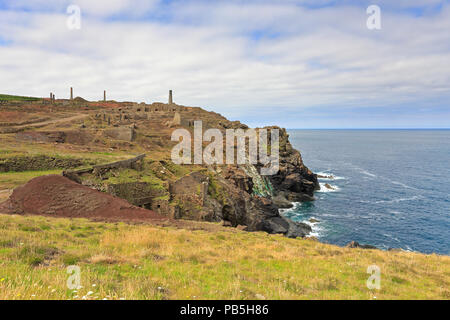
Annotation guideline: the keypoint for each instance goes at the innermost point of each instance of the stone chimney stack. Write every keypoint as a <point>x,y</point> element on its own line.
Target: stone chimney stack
<point>170,97</point>
<point>104,95</point>
<point>71,93</point>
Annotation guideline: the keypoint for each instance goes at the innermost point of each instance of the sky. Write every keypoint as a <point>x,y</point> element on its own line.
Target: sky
<point>292,63</point>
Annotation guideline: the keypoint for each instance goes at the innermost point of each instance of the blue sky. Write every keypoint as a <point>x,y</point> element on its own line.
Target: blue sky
<point>293,63</point>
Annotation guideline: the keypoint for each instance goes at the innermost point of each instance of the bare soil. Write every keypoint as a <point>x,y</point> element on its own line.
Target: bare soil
<point>57,196</point>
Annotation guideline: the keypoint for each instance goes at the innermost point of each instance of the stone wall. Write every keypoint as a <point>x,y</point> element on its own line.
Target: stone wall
<point>156,107</point>
<point>121,133</point>
<point>99,169</point>
<point>129,163</point>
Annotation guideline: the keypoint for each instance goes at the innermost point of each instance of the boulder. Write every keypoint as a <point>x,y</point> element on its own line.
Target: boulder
<point>298,229</point>
<point>329,187</point>
<point>355,244</point>
<point>300,197</point>
<point>331,177</point>
<point>275,225</point>
<point>281,202</point>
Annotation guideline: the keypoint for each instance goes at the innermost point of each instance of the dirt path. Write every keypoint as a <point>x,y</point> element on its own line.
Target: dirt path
<point>43,123</point>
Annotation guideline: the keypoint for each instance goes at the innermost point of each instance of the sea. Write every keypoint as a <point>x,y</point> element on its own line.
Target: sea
<point>389,188</point>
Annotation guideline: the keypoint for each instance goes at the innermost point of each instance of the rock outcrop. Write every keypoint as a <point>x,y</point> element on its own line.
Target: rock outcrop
<point>236,197</point>
<point>294,181</point>
<point>355,244</point>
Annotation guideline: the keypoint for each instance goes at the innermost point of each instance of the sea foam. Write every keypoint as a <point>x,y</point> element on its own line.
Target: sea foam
<point>329,174</point>
<point>325,189</point>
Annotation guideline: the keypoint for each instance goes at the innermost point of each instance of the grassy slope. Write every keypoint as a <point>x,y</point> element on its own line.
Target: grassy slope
<point>11,180</point>
<point>149,262</point>
<point>17,98</point>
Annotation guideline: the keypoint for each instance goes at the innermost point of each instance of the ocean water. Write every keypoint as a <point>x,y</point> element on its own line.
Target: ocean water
<point>392,187</point>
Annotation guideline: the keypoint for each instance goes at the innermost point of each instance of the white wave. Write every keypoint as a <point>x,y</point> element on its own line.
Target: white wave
<point>325,189</point>
<point>329,215</point>
<point>391,236</point>
<point>329,176</point>
<point>367,173</point>
<point>316,229</point>
<point>314,234</point>
<point>309,223</point>
<point>401,184</point>
<point>296,205</point>
<point>394,200</point>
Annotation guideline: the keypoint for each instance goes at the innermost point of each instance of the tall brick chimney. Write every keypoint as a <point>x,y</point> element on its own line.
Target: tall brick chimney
<point>170,97</point>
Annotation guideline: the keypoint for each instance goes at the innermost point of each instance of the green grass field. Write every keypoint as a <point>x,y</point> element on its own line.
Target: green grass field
<point>8,97</point>
<point>120,261</point>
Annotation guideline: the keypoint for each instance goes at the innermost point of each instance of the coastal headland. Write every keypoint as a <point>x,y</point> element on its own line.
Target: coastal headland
<point>92,183</point>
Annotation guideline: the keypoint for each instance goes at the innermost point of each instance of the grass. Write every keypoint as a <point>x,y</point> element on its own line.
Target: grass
<point>8,97</point>
<point>11,180</point>
<point>148,262</point>
<point>11,147</point>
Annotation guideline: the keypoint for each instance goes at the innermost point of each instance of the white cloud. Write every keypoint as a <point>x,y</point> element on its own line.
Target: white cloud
<point>211,55</point>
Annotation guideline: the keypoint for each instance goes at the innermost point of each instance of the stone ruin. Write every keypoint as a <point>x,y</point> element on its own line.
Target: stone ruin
<point>137,193</point>
<point>125,133</point>
<point>169,114</point>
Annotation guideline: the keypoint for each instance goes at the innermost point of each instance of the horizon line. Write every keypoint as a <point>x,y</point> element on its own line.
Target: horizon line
<point>448,128</point>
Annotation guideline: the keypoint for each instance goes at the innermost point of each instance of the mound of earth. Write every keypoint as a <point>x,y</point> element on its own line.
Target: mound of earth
<point>57,196</point>
<point>80,99</point>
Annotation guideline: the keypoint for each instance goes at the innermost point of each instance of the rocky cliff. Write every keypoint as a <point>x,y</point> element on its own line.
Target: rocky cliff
<point>240,196</point>
<point>236,195</point>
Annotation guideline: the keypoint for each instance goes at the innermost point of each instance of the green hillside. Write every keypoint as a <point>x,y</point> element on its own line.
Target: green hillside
<point>7,97</point>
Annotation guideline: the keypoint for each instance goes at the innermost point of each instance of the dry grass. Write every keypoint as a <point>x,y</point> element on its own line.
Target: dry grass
<point>12,180</point>
<point>149,262</point>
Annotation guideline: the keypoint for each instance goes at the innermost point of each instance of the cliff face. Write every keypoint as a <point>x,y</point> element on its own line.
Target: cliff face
<point>240,196</point>
<point>235,194</point>
<point>294,181</point>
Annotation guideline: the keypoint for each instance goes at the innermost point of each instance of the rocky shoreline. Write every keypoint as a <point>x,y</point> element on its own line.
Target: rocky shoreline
<point>241,197</point>
<point>236,195</point>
